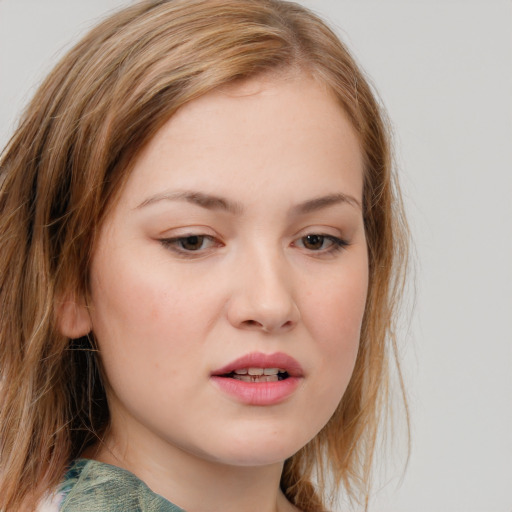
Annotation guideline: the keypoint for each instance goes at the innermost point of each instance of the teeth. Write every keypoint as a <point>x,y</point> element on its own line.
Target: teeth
<point>259,371</point>
<point>256,378</point>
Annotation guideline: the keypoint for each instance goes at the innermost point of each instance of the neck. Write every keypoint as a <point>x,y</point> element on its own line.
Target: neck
<point>177,475</point>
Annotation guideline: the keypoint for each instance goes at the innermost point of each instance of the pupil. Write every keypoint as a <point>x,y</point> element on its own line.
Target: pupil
<point>313,241</point>
<point>192,243</point>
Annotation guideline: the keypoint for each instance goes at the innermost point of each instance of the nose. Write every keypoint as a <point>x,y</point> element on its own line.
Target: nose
<point>263,298</point>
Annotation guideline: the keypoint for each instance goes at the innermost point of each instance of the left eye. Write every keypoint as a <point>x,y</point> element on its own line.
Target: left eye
<point>192,243</point>
<point>316,242</point>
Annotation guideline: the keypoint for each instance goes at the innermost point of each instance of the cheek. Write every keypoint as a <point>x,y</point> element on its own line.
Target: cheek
<point>139,297</point>
<point>132,317</point>
<point>145,317</point>
<point>335,318</point>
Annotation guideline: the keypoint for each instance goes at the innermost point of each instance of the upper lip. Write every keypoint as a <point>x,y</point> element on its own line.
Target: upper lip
<point>260,360</point>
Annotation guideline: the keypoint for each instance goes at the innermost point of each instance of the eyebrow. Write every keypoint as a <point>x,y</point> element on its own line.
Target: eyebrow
<point>212,202</point>
<point>313,205</point>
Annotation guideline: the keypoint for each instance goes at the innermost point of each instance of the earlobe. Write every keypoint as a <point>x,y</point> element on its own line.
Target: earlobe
<point>73,318</point>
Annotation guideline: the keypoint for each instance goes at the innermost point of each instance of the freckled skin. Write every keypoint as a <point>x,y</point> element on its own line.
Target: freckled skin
<point>166,318</point>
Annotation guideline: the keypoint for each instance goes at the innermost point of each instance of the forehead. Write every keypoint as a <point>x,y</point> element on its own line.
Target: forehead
<point>285,130</point>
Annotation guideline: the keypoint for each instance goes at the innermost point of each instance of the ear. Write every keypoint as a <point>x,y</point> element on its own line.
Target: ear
<point>73,318</point>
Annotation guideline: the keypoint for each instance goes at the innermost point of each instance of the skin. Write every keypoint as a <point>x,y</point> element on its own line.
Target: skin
<point>166,316</point>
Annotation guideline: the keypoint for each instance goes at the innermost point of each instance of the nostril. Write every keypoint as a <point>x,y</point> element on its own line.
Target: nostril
<point>252,323</point>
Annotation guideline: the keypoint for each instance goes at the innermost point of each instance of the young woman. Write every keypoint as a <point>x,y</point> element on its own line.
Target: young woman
<point>202,248</point>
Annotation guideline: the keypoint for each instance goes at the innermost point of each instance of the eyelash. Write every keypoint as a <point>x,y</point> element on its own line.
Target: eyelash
<point>337,244</point>
<point>173,244</point>
<point>176,244</point>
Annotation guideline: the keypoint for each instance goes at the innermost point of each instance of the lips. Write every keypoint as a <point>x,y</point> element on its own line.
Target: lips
<point>259,379</point>
<point>278,360</point>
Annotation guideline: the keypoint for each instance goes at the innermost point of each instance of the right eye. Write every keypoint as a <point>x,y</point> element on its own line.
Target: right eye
<point>191,244</point>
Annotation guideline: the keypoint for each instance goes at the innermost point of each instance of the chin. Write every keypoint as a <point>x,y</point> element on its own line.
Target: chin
<point>258,449</point>
<point>254,457</point>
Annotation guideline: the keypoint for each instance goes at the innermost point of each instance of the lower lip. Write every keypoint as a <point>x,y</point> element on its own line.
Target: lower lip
<point>258,393</point>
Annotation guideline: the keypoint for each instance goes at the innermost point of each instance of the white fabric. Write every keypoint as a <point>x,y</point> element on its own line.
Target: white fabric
<point>51,503</point>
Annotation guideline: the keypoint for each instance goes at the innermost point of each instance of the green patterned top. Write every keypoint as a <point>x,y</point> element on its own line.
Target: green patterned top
<point>92,486</point>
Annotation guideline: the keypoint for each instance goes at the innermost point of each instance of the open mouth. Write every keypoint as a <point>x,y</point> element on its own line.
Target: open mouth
<point>256,375</point>
<point>259,379</point>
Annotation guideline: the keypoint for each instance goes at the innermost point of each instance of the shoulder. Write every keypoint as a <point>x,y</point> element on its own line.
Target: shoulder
<point>51,503</point>
<point>94,486</point>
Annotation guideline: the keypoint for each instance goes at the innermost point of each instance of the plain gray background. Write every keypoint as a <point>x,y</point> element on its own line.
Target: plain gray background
<point>444,71</point>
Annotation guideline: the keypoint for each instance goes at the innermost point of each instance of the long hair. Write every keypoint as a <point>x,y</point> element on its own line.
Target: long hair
<point>60,174</point>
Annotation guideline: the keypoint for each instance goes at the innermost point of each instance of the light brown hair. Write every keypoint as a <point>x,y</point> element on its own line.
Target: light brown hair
<point>61,172</point>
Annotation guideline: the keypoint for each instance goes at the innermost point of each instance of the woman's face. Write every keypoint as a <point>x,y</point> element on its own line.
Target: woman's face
<point>236,249</point>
